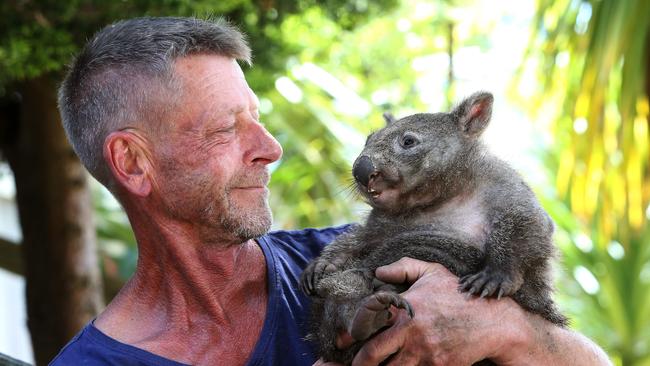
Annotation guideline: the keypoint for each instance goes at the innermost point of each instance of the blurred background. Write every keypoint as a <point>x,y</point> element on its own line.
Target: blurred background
<point>571,80</point>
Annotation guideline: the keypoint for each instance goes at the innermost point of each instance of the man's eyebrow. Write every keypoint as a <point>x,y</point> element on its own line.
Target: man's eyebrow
<point>254,109</point>
<point>237,109</point>
<point>242,108</point>
<point>217,113</point>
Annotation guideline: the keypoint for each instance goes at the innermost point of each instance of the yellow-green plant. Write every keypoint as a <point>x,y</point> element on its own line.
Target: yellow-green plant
<point>591,63</point>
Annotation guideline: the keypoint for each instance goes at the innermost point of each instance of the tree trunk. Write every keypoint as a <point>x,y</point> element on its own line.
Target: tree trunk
<point>55,210</point>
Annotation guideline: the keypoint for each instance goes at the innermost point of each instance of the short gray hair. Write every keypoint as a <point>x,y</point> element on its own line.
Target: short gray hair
<point>124,75</point>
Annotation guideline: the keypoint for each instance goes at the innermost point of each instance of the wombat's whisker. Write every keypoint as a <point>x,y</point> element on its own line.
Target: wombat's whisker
<point>351,190</point>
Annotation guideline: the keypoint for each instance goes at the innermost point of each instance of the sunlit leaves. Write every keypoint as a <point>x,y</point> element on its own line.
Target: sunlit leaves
<point>594,62</point>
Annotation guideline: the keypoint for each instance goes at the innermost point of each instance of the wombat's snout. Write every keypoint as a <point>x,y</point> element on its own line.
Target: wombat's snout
<point>363,169</point>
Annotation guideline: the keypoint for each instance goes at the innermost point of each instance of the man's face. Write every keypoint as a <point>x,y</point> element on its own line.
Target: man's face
<point>211,163</point>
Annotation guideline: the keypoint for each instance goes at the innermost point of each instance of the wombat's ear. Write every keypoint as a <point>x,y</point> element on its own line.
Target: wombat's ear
<point>389,118</point>
<point>474,113</point>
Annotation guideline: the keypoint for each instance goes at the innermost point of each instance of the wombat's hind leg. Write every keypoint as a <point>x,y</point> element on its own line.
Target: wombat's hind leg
<point>491,282</point>
<point>373,313</point>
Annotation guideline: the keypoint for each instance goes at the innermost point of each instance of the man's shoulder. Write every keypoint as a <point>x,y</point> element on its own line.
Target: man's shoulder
<point>300,246</point>
<point>327,233</point>
<point>93,348</point>
<point>72,351</point>
<point>308,238</point>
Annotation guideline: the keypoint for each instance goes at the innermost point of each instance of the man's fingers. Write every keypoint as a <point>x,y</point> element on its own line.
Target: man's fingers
<point>405,270</point>
<point>379,348</point>
<point>404,359</point>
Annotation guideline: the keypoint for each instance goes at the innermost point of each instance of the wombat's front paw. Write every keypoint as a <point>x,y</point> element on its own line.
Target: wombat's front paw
<point>314,272</point>
<point>373,313</point>
<point>490,282</point>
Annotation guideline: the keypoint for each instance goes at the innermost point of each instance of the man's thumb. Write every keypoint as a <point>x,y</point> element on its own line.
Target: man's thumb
<point>405,270</point>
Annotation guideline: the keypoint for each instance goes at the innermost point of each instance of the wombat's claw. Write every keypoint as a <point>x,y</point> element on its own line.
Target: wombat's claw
<point>374,313</point>
<point>313,274</point>
<point>305,280</point>
<point>488,283</point>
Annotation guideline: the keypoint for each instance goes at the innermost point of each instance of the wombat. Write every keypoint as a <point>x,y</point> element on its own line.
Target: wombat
<point>437,195</point>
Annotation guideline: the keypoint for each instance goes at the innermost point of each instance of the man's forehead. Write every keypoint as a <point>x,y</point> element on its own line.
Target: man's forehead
<point>213,86</point>
<point>205,64</point>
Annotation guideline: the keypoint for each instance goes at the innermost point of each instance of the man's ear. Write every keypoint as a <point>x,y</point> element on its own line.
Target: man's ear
<point>126,155</point>
<point>474,113</point>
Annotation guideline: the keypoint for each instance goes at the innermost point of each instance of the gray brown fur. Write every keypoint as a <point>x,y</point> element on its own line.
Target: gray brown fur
<point>438,195</point>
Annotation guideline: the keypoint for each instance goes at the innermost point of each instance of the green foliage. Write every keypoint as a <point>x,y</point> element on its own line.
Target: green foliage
<point>118,251</point>
<point>40,36</point>
<point>343,80</point>
<point>592,63</point>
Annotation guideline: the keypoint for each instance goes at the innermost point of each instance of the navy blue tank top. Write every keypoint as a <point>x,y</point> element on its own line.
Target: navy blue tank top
<point>282,339</point>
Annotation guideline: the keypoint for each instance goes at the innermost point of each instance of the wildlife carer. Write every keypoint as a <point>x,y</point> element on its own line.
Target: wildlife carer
<point>158,111</point>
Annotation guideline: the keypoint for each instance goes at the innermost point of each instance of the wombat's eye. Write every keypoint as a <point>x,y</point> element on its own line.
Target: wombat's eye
<point>408,141</point>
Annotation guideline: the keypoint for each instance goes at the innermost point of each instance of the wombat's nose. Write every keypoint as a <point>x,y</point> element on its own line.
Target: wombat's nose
<point>362,169</point>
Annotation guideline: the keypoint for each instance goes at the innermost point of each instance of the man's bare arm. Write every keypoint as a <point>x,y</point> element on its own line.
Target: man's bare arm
<point>450,329</point>
<point>543,343</point>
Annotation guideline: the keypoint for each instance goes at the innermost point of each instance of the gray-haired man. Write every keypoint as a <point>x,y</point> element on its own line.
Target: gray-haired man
<point>159,112</point>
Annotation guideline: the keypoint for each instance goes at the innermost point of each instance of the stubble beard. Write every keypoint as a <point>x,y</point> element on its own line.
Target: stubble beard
<point>238,217</point>
<point>245,222</point>
<point>216,210</point>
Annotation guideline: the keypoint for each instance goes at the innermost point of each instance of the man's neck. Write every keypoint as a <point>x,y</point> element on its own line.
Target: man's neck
<point>190,300</point>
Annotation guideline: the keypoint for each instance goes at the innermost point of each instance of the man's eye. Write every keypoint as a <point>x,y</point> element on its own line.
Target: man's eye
<point>256,115</point>
<point>221,130</point>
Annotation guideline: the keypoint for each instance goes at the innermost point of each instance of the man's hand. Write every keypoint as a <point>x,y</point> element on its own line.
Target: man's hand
<point>448,328</point>
<point>452,329</point>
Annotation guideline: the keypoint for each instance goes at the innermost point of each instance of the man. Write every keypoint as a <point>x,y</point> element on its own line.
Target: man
<point>159,111</point>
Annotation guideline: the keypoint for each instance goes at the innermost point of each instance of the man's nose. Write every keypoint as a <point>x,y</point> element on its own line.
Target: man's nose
<point>264,147</point>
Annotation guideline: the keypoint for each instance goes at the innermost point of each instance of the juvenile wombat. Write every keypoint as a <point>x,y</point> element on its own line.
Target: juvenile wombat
<point>437,195</point>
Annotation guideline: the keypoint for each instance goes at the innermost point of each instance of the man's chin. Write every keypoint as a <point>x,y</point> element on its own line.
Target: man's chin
<point>247,226</point>
<point>247,233</point>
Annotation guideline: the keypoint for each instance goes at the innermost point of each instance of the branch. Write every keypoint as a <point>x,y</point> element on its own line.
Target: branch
<point>11,258</point>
